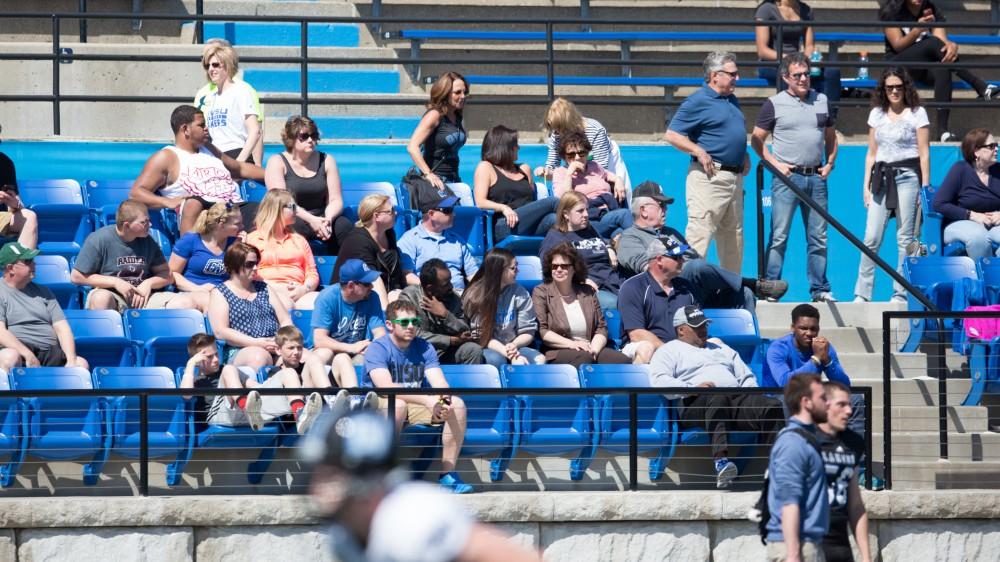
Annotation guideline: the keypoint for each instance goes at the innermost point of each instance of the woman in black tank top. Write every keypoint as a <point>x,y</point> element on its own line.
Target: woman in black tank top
<point>315,185</point>
<point>438,137</point>
<point>506,188</point>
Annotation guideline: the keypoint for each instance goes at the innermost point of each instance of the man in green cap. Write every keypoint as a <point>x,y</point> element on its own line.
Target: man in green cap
<point>33,329</point>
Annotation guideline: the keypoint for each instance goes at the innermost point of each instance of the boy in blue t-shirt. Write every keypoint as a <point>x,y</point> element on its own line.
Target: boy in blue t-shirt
<point>401,359</point>
<point>346,317</point>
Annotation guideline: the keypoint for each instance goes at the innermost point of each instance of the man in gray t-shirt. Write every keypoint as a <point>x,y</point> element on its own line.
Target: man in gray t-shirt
<point>33,330</point>
<point>799,119</point>
<point>123,264</point>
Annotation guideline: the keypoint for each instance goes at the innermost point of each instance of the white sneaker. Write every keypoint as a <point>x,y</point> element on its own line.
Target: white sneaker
<point>948,136</point>
<point>992,92</point>
<point>371,402</point>
<point>253,411</point>
<point>860,299</point>
<point>340,403</point>
<point>309,412</point>
<point>825,296</point>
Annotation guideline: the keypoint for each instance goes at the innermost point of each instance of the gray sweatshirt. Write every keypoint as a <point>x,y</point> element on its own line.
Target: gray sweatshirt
<point>680,364</point>
<point>515,315</point>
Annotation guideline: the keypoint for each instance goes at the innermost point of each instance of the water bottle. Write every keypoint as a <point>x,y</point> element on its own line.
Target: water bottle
<point>863,70</point>
<point>815,58</point>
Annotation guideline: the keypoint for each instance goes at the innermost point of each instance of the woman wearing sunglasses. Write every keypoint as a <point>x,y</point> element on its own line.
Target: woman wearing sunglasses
<point>896,165</point>
<point>435,143</point>
<point>286,260</point>
<point>570,320</point>
<point>313,179</point>
<point>605,191</point>
<point>231,112</point>
<point>969,197</point>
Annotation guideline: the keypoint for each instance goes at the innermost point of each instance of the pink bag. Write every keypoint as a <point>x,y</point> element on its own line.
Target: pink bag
<point>982,328</point>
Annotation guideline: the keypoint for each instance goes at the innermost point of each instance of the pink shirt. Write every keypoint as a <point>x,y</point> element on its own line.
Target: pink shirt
<point>592,183</point>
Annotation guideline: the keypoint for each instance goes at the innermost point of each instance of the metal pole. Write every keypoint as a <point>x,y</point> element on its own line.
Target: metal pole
<point>56,125</point>
<point>550,78</point>
<point>868,436</point>
<point>779,49</point>
<point>144,444</point>
<point>199,26</point>
<point>304,67</point>
<point>83,21</point>
<point>584,15</point>
<point>377,13</point>
<point>886,404</point>
<point>821,211</point>
<point>942,373</point>
<point>633,441</point>
<point>761,259</point>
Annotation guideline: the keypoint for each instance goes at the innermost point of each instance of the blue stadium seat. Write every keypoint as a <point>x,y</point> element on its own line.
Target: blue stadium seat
<point>53,272</point>
<point>984,370</point>
<point>471,224</point>
<point>529,272</point>
<point>171,425</point>
<point>490,426</point>
<point>550,424</point>
<point>12,442</point>
<point>252,191</point>
<point>63,216</point>
<point>302,319</point>
<point>163,334</point>
<point>656,431</point>
<point>104,196</point>
<point>989,273</point>
<point>100,338</point>
<point>325,266</point>
<point>737,328</point>
<point>64,427</point>
<point>616,333</point>
<point>951,283</point>
<point>354,192</point>
<point>162,240</point>
<point>932,229</point>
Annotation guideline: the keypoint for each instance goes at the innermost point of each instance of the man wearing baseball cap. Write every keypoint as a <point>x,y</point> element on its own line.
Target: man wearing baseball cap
<point>346,318</point>
<point>714,287</point>
<point>33,329</point>
<point>694,361</point>
<point>648,301</point>
<point>433,238</point>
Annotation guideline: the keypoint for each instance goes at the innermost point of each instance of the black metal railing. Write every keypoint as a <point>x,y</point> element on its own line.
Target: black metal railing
<point>391,394</point>
<point>304,60</point>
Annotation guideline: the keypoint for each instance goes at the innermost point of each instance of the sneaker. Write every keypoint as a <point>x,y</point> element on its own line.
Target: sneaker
<point>948,136</point>
<point>725,471</point>
<point>860,299</point>
<point>253,411</point>
<point>309,412</point>
<point>992,93</point>
<point>371,402</point>
<point>453,482</point>
<point>340,403</point>
<point>825,296</point>
<point>771,289</point>
<point>877,483</point>
<point>898,299</point>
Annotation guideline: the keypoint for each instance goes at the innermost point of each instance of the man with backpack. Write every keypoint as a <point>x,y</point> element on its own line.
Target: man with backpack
<point>796,490</point>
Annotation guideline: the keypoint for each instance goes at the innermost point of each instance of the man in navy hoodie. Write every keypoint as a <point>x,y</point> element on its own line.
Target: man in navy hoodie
<point>797,496</point>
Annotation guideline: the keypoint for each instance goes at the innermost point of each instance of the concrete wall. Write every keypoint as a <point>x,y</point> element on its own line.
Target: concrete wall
<point>577,526</point>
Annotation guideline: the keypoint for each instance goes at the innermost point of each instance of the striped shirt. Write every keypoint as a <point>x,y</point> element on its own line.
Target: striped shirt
<point>600,149</point>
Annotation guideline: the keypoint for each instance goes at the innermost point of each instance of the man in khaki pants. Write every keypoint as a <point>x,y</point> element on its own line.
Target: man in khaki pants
<point>710,126</point>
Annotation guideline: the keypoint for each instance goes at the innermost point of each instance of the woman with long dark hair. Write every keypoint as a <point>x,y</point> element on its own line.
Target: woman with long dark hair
<point>500,312</point>
<point>504,186</point>
<point>896,165</point>
<point>908,45</point>
<point>435,143</point>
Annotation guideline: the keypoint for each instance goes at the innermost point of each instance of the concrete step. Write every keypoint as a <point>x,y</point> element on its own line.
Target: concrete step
<point>914,447</point>
<point>921,391</point>
<point>961,419</point>
<point>946,474</point>
<point>904,365</point>
<point>835,314</point>
<point>853,339</point>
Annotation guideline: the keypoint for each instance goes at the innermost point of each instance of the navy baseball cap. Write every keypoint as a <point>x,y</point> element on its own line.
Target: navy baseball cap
<point>664,246</point>
<point>357,271</point>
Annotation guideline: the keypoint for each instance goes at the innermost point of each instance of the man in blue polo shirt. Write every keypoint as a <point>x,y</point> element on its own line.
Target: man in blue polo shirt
<point>710,126</point>
<point>433,239</point>
<point>648,301</point>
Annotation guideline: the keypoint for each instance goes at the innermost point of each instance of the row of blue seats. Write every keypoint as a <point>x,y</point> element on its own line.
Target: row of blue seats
<point>500,426</point>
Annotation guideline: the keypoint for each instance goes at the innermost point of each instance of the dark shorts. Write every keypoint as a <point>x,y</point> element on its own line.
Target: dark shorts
<point>51,357</point>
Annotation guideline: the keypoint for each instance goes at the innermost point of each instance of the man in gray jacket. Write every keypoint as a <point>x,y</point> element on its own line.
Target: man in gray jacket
<point>442,322</point>
<point>694,361</point>
<point>714,286</point>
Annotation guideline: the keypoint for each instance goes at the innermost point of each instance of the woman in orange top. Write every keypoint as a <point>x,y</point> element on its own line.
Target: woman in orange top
<point>286,261</point>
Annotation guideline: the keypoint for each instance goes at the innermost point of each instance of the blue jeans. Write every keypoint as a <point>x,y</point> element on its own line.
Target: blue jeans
<point>607,299</point>
<point>978,241</point>
<point>715,287</point>
<point>908,193</point>
<point>498,360</point>
<point>612,223</point>
<point>828,83</point>
<point>533,219</point>
<point>783,205</point>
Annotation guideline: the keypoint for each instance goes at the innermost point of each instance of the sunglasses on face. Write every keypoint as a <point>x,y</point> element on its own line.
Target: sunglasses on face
<point>250,264</point>
<point>733,74</point>
<point>566,266</point>
<point>799,75</point>
<point>390,212</point>
<point>215,64</point>
<point>894,87</point>
<point>303,137</point>
<point>577,153</point>
<point>291,207</point>
<point>991,146</point>
<point>445,210</point>
<point>406,322</point>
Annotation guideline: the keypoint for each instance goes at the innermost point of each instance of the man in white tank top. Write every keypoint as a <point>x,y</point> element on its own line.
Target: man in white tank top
<point>192,174</point>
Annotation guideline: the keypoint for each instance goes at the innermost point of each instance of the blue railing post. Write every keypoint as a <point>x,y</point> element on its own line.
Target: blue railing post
<point>886,402</point>
<point>199,24</point>
<point>143,444</point>
<point>56,125</point>
<point>550,71</point>
<point>585,15</point>
<point>83,21</point>
<point>633,441</point>
<point>761,250</point>
<point>304,67</point>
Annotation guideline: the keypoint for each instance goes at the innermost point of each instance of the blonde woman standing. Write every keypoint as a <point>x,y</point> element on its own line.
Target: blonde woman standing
<point>231,112</point>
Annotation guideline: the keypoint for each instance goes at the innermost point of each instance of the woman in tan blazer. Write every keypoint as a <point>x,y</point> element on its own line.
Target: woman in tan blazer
<point>569,315</point>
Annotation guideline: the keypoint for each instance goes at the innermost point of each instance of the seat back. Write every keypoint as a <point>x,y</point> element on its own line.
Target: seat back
<point>737,328</point>
<point>529,271</point>
<point>325,266</point>
<point>615,407</point>
<point>53,272</point>
<point>302,320</point>
<point>164,333</point>
<point>482,408</point>
<point>63,216</point>
<point>10,420</point>
<point>104,196</point>
<point>989,273</point>
<point>928,270</point>
<point>354,192</point>
<point>162,240</point>
<point>100,337</point>
<point>164,411</point>
<point>613,319</point>
<point>548,411</point>
<point>51,192</point>
<point>62,427</point>
<point>470,224</point>
<point>252,191</point>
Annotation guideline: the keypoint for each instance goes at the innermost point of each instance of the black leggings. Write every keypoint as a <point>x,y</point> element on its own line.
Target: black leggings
<point>929,50</point>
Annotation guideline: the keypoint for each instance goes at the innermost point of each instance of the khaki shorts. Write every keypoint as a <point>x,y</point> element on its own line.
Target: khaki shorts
<point>156,300</point>
<point>416,414</point>
<point>811,552</point>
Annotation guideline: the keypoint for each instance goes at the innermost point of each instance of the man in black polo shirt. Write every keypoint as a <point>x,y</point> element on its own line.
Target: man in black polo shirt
<point>648,301</point>
<point>842,453</point>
